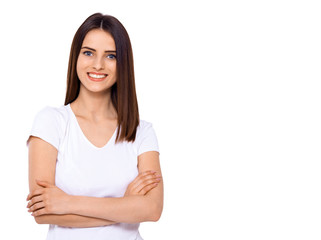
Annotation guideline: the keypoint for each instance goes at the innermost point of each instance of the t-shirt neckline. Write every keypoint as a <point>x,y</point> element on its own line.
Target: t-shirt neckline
<point>82,133</point>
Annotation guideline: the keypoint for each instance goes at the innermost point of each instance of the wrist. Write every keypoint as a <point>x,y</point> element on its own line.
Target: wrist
<point>70,206</point>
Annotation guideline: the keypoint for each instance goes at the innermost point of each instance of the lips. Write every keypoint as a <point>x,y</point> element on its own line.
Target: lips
<point>97,77</point>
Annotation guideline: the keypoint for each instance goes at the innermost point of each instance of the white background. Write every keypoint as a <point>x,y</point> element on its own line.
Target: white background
<point>231,87</point>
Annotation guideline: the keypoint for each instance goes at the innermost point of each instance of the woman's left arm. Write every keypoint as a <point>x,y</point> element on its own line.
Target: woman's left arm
<point>127,209</point>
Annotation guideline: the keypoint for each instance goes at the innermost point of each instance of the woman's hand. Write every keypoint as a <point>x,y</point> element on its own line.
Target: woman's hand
<point>143,183</point>
<point>48,200</point>
<point>52,200</point>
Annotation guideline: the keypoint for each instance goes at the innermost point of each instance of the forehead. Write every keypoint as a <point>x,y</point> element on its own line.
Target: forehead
<point>99,40</point>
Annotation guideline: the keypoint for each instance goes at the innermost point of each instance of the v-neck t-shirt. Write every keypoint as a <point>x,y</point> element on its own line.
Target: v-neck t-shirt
<point>84,169</point>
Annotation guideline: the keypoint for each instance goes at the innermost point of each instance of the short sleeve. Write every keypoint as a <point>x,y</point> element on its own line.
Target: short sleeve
<point>146,139</point>
<point>46,126</point>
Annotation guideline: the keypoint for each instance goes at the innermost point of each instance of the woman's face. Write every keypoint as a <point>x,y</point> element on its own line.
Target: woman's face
<point>96,65</point>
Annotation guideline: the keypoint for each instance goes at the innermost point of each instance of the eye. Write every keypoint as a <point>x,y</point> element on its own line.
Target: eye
<point>88,53</point>
<point>111,56</point>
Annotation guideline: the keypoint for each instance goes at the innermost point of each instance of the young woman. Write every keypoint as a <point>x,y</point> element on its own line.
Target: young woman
<point>94,170</point>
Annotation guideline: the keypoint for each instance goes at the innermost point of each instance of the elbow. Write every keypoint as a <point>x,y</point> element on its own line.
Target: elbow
<point>155,217</point>
<point>156,213</point>
<point>40,220</point>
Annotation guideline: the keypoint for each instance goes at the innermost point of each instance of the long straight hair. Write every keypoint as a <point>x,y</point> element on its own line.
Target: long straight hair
<point>123,92</point>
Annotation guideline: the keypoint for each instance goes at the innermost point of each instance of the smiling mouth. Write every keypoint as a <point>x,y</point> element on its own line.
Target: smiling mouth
<point>97,76</point>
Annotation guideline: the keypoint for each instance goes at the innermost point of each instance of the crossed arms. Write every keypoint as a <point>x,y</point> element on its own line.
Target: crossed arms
<point>143,200</point>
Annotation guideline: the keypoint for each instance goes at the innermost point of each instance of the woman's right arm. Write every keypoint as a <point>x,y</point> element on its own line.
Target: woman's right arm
<point>75,221</point>
<point>42,166</point>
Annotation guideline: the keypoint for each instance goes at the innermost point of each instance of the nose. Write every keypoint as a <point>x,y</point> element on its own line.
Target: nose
<point>98,64</point>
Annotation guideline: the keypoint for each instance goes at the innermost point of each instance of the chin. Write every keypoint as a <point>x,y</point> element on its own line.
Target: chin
<point>98,90</point>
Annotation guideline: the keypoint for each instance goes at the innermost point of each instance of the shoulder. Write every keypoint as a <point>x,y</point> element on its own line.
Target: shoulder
<point>143,127</point>
<point>51,114</point>
<point>144,124</point>
<point>51,118</point>
<point>146,139</point>
<point>50,124</point>
<point>54,111</point>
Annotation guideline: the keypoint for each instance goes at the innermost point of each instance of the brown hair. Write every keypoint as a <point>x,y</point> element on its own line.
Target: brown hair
<point>123,92</point>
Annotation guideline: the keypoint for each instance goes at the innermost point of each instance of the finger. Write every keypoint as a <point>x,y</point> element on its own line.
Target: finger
<point>43,183</point>
<point>145,177</point>
<point>140,176</point>
<point>34,200</point>
<point>144,174</point>
<point>145,182</point>
<point>147,188</point>
<point>36,192</point>
<point>39,212</point>
<point>37,207</point>
<point>147,172</point>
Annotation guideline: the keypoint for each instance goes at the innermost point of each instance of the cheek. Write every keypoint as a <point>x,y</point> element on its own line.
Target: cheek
<point>81,65</point>
<point>113,68</point>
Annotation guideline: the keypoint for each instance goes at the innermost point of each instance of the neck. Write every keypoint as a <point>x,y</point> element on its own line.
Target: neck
<point>94,106</point>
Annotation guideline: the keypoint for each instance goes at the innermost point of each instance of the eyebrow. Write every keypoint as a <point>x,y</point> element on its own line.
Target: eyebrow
<point>95,50</point>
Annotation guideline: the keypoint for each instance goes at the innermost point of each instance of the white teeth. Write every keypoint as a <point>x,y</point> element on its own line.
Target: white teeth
<point>97,76</point>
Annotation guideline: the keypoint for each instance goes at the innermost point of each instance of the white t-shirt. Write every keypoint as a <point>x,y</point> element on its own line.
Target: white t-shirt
<point>86,170</point>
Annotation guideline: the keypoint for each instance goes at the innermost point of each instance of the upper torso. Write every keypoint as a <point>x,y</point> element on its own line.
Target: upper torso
<point>82,168</point>
<point>98,130</point>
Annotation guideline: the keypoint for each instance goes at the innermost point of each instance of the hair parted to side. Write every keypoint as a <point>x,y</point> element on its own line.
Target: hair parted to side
<point>123,92</point>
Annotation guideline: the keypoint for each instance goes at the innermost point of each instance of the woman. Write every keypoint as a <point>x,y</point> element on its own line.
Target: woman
<point>94,170</point>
